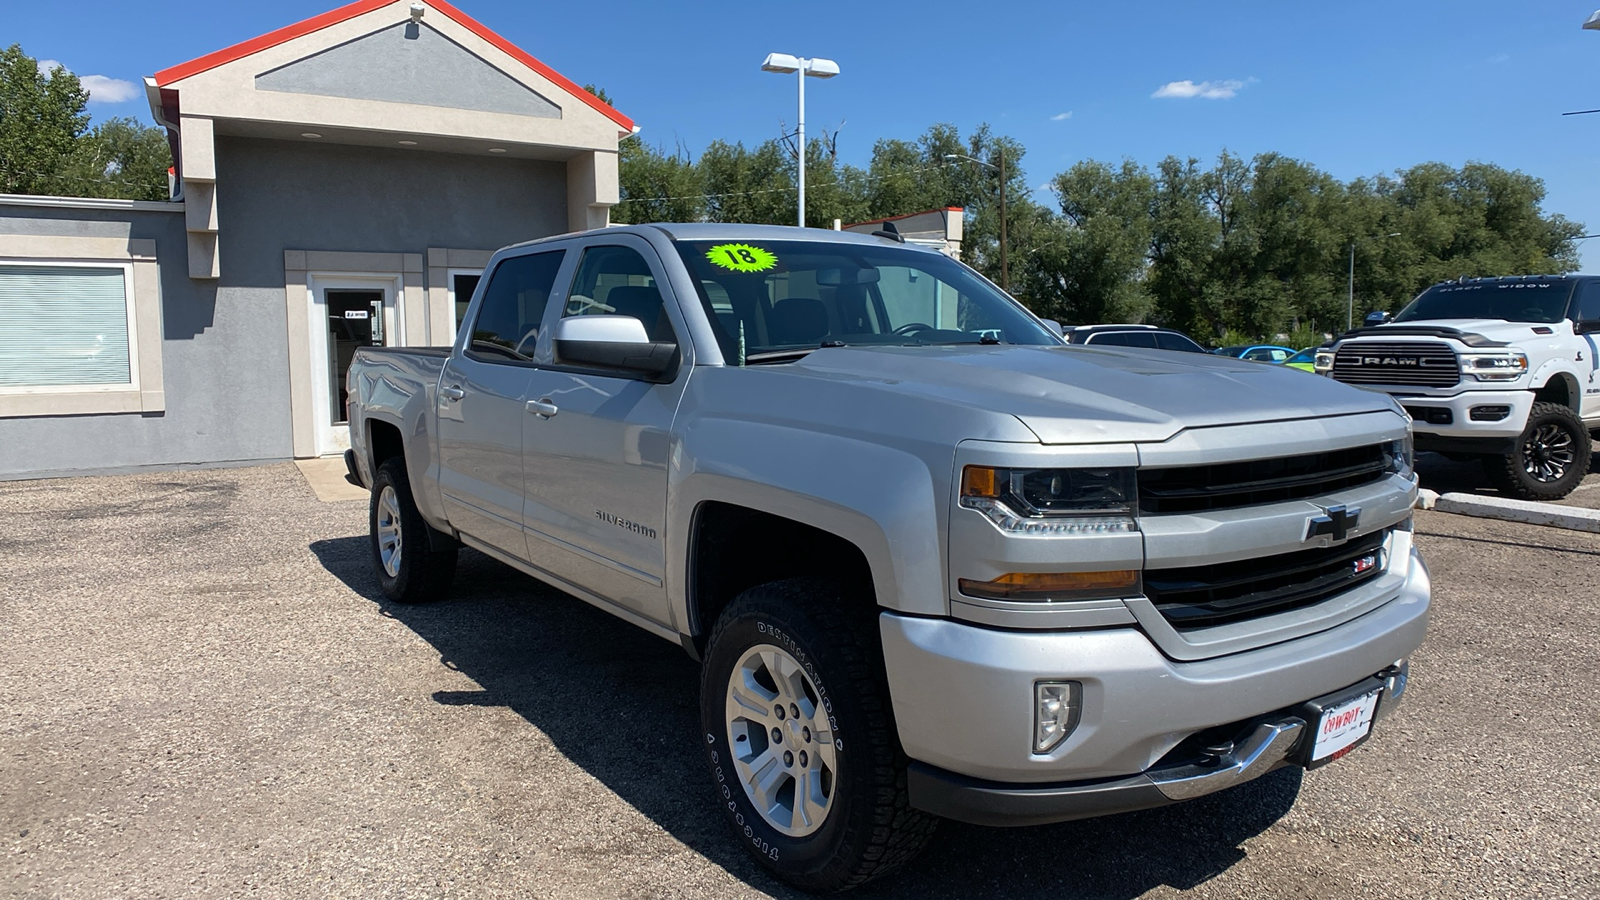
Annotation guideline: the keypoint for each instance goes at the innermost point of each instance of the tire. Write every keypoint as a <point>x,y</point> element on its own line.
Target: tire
<point>409,568</point>
<point>1550,459</point>
<point>861,824</point>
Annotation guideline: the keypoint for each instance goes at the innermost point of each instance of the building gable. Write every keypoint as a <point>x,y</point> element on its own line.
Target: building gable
<point>408,63</point>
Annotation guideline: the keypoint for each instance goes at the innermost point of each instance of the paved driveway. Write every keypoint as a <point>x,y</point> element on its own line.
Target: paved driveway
<point>200,695</point>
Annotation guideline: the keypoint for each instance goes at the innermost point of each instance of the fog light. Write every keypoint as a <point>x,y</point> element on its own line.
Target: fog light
<point>1490,413</point>
<point>1055,712</point>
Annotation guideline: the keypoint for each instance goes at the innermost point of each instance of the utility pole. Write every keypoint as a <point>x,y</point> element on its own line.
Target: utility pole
<point>1005,272</point>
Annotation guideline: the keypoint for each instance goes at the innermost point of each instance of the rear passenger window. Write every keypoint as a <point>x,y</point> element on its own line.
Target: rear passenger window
<point>507,327</point>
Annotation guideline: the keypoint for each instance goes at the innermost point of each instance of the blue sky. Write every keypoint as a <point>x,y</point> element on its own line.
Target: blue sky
<point>1355,88</point>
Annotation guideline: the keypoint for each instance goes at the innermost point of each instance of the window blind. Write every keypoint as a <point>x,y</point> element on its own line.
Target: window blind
<point>63,325</point>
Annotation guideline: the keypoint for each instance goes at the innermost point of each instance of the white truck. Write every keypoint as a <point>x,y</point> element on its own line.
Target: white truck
<point>1500,369</point>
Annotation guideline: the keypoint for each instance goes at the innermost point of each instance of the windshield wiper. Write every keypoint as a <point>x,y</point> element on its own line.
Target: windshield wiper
<point>786,355</point>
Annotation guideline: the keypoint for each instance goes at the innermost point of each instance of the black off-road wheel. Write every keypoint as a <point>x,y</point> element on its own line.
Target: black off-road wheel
<point>1550,459</point>
<point>800,737</point>
<point>409,568</point>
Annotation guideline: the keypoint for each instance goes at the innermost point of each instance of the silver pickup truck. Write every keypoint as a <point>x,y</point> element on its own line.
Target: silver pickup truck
<point>935,561</point>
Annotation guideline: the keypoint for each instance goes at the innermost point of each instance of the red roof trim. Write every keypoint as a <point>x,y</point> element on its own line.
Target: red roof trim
<point>362,7</point>
<point>270,39</point>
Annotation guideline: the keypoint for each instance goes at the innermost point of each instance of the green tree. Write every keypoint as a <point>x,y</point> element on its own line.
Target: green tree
<point>41,117</point>
<point>120,158</point>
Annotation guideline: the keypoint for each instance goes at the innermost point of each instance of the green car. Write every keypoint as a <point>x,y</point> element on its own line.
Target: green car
<point>1303,360</point>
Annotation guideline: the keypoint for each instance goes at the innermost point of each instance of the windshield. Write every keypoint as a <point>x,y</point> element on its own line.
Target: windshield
<point>768,297</point>
<point>1514,301</point>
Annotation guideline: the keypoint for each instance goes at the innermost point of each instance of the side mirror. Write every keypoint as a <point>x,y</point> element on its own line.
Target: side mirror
<point>613,342</point>
<point>1591,326</point>
<point>1054,326</point>
<point>1377,317</point>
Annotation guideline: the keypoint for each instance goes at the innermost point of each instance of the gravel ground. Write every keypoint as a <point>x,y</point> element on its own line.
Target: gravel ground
<point>201,695</point>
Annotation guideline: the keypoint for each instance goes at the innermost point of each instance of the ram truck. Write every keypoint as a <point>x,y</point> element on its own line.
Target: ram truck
<point>1500,370</point>
<point>935,562</point>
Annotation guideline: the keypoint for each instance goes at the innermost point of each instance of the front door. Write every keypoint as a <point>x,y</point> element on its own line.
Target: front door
<point>481,400</point>
<point>345,316</point>
<point>596,446</point>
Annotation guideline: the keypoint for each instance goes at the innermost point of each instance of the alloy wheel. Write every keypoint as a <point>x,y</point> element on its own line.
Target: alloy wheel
<point>1548,453</point>
<point>782,742</point>
<point>389,542</point>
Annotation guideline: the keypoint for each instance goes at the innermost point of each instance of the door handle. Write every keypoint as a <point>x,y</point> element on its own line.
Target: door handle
<point>544,409</point>
<point>453,392</point>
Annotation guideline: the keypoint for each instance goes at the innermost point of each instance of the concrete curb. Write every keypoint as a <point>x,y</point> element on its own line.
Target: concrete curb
<point>1575,518</point>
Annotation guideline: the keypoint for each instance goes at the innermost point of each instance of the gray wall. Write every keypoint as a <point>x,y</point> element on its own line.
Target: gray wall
<point>287,195</point>
<point>225,343</point>
<point>224,369</point>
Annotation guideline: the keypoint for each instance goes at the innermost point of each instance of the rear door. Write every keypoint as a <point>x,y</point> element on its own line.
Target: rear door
<point>481,397</point>
<point>596,444</point>
<point>1586,308</point>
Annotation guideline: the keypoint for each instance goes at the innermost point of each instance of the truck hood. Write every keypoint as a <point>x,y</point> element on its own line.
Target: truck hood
<point>1493,329</point>
<point>1072,394</point>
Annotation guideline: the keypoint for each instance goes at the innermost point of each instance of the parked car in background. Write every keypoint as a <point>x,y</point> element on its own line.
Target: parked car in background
<point>1270,353</point>
<point>1148,336</point>
<point>1305,360</point>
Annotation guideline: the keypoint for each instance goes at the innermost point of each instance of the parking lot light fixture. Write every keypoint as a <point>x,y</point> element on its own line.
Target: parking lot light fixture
<point>1593,22</point>
<point>784,64</point>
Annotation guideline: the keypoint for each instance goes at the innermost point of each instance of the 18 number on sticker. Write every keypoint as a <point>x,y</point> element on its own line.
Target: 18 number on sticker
<point>741,257</point>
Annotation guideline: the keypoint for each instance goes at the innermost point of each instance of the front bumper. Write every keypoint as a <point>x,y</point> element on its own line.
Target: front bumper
<point>1257,747</point>
<point>963,694</point>
<point>1463,433</point>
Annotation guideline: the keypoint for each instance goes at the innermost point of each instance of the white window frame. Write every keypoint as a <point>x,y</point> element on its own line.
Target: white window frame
<point>450,295</point>
<point>136,259</point>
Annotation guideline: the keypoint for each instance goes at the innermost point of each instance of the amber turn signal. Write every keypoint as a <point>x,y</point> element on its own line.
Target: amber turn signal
<point>1054,585</point>
<point>980,481</point>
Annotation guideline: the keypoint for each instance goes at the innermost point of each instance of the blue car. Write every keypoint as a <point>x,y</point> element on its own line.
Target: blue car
<point>1268,353</point>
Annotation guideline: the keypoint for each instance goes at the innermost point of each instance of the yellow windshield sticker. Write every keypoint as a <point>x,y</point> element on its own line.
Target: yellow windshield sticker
<point>741,257</point>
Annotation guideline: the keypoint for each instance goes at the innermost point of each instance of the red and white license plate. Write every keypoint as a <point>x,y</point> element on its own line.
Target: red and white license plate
<point>1342,727</point>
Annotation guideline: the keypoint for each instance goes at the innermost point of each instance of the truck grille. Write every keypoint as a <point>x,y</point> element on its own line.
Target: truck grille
<point>1202,596</point>
<point>1228,485</point>
<point>1418,363</point>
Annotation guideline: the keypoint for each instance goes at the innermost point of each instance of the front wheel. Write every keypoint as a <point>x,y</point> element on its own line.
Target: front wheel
<point>1550,459</point>
<point>800,738</point>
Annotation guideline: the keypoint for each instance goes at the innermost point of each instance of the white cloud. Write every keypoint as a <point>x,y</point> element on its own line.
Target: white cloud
<point>108,90</point>
<point>1061,117</point>
<point>101,89</point>
<point>1205,90</point>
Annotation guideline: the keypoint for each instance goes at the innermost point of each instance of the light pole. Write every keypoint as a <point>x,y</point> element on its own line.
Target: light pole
<point>1005,273</point>
<point>814,68</point>
<point>1350,312</point>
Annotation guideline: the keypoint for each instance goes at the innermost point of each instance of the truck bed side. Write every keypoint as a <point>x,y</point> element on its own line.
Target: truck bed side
<point>393,395</point>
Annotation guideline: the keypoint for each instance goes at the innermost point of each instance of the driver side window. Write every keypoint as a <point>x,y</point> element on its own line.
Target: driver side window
<point>507,326</point>
<point>1587,307</point>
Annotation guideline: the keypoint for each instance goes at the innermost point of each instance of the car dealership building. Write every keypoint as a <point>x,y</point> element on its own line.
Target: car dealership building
<point>340,182</point>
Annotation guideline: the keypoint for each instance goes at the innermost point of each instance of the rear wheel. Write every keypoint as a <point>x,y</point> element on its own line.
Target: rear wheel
<point>409,568</point>
<point>800,738</point>
<point>1550,459</point>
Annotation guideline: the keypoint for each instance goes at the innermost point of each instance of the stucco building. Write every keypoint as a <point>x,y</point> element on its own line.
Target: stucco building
<point>341,182</point>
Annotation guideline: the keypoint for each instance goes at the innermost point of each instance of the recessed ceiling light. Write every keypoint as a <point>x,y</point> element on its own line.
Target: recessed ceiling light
<point>497,149</point>
<point>309,134</point>
<point>408,143</point>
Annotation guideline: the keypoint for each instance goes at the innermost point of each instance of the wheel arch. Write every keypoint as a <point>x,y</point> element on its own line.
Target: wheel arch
<point>733,548</point>
<point>1561,387</point>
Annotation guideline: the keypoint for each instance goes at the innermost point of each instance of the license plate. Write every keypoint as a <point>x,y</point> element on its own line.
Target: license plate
<point>1343,726</point>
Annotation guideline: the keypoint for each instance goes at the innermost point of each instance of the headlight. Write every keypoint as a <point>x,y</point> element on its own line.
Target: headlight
<point>1401,456</point>
<point>1052,501</point>
<point>1323,363</point>
<point>1500,366</point>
